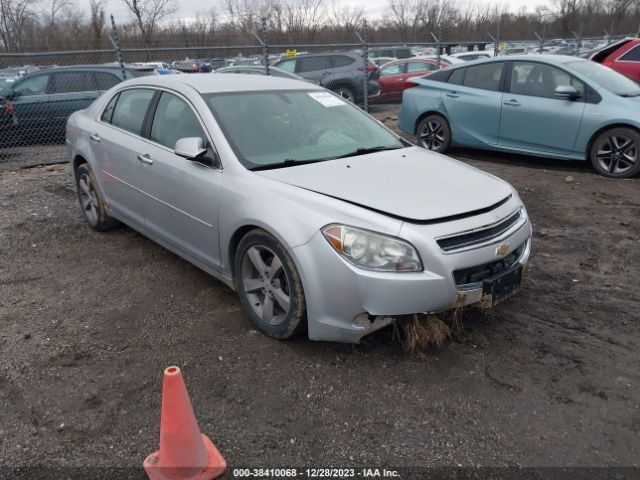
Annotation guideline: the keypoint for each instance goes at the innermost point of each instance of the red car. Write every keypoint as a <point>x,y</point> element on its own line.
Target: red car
<point>622,56</point>
<point>394,76</point>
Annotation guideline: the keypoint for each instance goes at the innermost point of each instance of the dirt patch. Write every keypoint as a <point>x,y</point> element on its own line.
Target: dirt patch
<point>88,321</point>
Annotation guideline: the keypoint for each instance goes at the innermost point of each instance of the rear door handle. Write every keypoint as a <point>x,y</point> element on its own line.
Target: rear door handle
<point>95,137</point>
<point>513,102</point>
<point>146,159</point>
<point>453,94</point>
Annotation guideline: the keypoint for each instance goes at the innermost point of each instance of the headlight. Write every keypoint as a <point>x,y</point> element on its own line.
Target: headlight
<point>373,251</point>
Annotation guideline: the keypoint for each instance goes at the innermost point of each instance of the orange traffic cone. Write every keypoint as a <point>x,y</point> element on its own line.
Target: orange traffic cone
<point>185,454</point>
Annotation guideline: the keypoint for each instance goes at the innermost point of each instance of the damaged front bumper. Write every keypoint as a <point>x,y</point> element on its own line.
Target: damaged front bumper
<point>345,303</point>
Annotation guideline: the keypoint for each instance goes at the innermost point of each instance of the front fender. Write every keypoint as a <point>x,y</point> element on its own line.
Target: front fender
<point>291,214</point>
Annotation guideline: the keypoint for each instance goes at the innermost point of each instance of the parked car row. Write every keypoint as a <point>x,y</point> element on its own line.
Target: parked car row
<point>547,105</point>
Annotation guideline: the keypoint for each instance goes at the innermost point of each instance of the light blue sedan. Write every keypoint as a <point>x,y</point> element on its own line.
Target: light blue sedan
<point>547,105</point>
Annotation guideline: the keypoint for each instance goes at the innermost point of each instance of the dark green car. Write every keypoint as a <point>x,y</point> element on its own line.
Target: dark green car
<point>35,108</point>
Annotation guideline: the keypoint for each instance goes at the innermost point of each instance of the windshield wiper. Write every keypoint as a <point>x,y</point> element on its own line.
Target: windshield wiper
<point>629,95</point>
<point>286,163</point>
<point>365,151</point>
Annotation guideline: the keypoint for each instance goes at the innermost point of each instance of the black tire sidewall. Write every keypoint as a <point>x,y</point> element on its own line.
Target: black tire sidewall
<point>613,131</point>
<point>105,222</point>
<point>447,132</point>
<point>296,318</point>
<point>352,95</point>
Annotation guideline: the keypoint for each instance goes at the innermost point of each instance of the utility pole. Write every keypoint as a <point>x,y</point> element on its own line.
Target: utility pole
<point>578,38</point>
<point>365,58</point>
<point>265,46</point>
<point>116,44</point>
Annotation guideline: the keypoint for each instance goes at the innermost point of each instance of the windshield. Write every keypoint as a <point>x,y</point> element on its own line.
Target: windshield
<point>274,127</point>
<point>5,82</point>
<point>606,78</point>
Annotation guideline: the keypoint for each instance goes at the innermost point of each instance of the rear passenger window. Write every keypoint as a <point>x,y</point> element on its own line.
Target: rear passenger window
<point>457,76</point>
<point>70,82</point>
<point>108,111</point>
<point>486,76</point>
<point>309,64</point>
<point>287,65</point>
<point>106,80</point>
<point>131,109</point>
<point>438,75</point>
<point>174,119</point>
<point>632,55</point>
<point>341,61</point>
<point>419,67</point>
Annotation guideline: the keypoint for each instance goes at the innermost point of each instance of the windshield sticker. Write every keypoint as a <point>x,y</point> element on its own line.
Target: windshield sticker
<point>327,99</point>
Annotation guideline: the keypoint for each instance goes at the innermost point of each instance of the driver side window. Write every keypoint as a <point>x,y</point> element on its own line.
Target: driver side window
<point>36,85</point>
<point>174,119</point>
<point>540,80</point>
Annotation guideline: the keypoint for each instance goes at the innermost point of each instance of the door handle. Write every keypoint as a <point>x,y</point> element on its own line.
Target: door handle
<point>512,103</point>
<point>453,94</point>
<point>146,159</point>
<point>95,137</point>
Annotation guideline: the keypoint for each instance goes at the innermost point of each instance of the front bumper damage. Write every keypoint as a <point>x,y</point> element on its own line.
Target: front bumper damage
<point>345,303</point>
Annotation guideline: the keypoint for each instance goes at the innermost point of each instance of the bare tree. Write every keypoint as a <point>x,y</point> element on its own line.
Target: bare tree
<point>96,22</point>
<point>344,17</point>
<point>148,13</point>
<point>14,16</point>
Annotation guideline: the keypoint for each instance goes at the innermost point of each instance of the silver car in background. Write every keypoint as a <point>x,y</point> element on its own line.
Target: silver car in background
<point>315,213</point>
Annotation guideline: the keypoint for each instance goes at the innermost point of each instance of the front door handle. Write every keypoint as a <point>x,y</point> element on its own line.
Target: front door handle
<point>95,137</point>
<point>453,94</point>
<point>146,159</point>
<point>512,103</point>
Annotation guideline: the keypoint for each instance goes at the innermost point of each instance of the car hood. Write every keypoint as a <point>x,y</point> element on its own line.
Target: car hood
<point>411,184</point>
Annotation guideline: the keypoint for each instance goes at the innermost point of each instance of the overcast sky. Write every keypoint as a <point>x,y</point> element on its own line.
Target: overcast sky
<point>372,8</point>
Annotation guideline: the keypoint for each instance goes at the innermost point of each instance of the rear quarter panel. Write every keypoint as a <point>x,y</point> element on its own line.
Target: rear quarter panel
<point>426,97</point>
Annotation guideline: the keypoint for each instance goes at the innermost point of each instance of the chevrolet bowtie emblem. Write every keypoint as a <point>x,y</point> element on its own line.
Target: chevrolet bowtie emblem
<point>502,249</point>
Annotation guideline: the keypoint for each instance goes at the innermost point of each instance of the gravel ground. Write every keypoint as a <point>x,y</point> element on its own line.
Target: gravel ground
<point>89,320</point>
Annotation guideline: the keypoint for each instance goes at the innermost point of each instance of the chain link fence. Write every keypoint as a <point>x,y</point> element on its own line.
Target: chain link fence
<point>38,91</point>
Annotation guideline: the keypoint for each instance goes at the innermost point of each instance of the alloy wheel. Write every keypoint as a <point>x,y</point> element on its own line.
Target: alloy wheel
<point>617,154</point>
<point>88,199</point>
<point>346,94</point>
<point>432,135</point>
<point>266,285</point>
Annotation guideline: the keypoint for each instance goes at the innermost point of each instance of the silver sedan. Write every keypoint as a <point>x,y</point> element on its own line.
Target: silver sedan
<point>319,217</point>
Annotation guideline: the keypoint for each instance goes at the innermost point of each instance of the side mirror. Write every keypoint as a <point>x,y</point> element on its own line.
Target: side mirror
<point>567,92</point>
<point>191,148</point>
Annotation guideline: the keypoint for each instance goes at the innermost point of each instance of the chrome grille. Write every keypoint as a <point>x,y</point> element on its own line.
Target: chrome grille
<point>454,242</point>
<point>472,275</point>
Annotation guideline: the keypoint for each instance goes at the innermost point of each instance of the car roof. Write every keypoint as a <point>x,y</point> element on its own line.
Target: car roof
<point>550,59</point>
<point>211,83</point>
<point>340,52</point>
<point>80,67</point>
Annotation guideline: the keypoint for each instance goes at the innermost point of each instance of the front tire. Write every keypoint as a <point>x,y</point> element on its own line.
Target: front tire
<point>92,202</point>
<point>434,133</point>
<point>615,153</point>
<point>269,286</point>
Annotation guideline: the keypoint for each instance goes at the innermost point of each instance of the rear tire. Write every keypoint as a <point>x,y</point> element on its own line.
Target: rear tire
<point>434,133</point>
<point>269,286</point>
<point>94,208</point>
<point>615,153</point>
<point>346,93</point>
